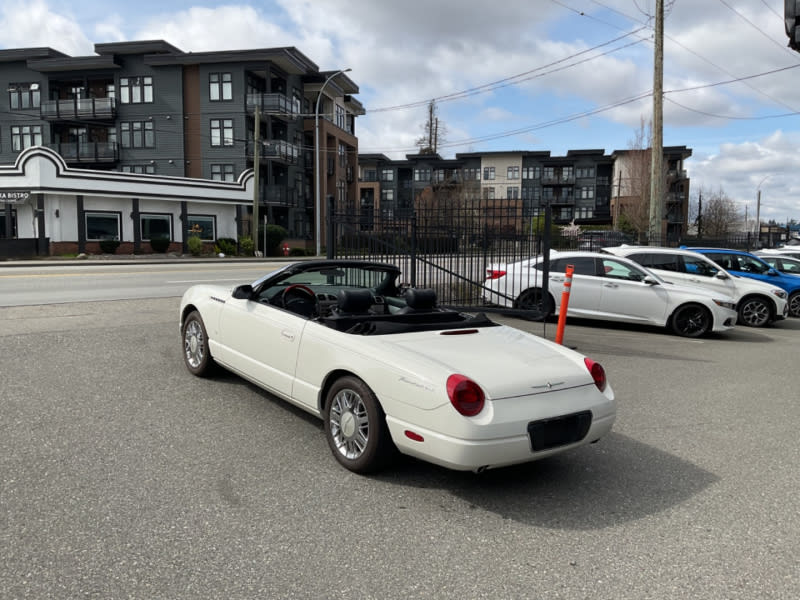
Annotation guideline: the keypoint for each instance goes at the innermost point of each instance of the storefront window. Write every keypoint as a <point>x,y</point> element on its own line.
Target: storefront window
<point>156,226</point>
<point>202,226</point>
<point>102,226</point>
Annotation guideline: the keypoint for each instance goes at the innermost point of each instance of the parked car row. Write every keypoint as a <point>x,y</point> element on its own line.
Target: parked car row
<point>692,291</point>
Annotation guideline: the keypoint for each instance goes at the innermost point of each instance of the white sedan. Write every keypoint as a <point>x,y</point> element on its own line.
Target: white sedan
<point>388,370</point>
<point>610,288</point>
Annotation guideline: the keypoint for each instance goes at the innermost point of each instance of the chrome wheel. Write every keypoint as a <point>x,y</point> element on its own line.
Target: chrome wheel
<point>355,426</point>
<point>194,344</point>
<point>196,354</point>
<point>691,320</point>
<point>754,312</point>
<point>349,424</point>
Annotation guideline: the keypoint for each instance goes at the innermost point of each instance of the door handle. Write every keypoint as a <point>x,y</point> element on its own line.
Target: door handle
<point>287,335</point>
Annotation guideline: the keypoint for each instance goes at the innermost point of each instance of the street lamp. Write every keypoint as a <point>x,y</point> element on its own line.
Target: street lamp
<point>317,168</point>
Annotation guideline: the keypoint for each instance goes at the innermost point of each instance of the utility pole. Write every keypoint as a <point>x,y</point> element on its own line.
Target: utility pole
<point>700,215</point>
<point>256,169</point>
<point>657,151</point>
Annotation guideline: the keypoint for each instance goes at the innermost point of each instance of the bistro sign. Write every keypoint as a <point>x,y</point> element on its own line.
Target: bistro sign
<point>13,196</point>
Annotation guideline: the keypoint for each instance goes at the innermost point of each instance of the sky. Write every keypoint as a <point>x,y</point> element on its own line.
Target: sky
<point>532,75</point>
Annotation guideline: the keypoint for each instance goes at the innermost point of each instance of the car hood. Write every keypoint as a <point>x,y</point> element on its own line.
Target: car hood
<point>504,361</point>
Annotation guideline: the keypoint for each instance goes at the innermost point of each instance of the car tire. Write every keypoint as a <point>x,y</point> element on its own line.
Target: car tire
<point>196,352</point>
<point>531,299</point>
<point>794,304</point>
<point>355,426</point>
<point>755,311</point>
<point>691,320</point>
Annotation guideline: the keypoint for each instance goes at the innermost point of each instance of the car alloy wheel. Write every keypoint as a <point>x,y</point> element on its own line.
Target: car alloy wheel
<point>355,426</point>
<point>794,304</point>
<point>532,300</point>
<point>691,320</point>
<point>754,312</point>
<point>196,354</point>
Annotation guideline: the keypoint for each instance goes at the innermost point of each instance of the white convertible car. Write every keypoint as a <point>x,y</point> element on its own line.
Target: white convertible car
<point>388,370</point>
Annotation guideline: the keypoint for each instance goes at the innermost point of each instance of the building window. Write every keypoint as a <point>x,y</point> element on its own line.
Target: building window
<point>586,192</point>
<point>203,226</point>
<point>585,172</point>
<point>220,86</point>
<point>341,117</point>
<point>488,193</point>
<point>423,175</point>
<point>146,169</point>
<point>567,173</point>
<point>512,193</point>
<point>549,173</point>
<point>25,136</point>
<point>102,226</point>
<point>584,213</point>
<point>564,213</point>
<point>387,175</point>
<point>531,173</point>
<point>488,173</point>
<point>222,132</point>
<point>155,226</point>
<point>512,173</point>
<point>24,95</point>
<point>137,134</point>
<point>136,90</point>
<point>222,173</point>
<point>342,155</point>
<point>472,174</point>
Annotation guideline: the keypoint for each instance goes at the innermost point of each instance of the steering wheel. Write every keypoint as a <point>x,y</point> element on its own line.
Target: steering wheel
<point>305,303</point>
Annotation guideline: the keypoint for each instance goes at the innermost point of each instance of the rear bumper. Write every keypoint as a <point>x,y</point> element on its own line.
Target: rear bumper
<point>474,455</point>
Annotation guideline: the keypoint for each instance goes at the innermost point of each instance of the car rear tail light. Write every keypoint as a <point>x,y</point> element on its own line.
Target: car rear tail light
<point>598,373</point>
<point>465,395</point>
<point>495,273</point>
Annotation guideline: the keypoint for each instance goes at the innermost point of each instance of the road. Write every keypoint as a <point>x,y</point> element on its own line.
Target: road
<point>83,282</point>
<point>122,476</point>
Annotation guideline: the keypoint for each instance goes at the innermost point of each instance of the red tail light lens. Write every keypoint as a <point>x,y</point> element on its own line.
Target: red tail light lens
<point>598,373</point>
<point>465,395</point>
<point>495,273</point>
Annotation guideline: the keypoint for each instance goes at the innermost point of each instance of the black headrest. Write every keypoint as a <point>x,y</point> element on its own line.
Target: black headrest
<point>354,301</point>
<point>420,298</point>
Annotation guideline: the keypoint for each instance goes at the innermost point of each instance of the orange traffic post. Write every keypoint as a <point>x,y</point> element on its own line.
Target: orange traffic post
<point>562,311</point>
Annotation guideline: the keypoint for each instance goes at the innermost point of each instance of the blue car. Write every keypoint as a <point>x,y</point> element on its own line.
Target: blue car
<point>749,265</point>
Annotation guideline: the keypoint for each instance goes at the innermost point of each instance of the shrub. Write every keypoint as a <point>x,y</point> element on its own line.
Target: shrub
<point>275,235</point>
<point>226,245</point>
<point>109,246</point>
<point>246,246</point>
<point>160,243</point>
<point>195,245</point>
<point>297,252</point>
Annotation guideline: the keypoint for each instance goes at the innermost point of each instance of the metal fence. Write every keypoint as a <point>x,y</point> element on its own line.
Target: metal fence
<point>446,248</point>
<point>451,248</point>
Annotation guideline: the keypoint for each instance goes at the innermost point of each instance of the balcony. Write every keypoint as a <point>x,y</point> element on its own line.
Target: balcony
<point>558,180</point>
<point>100,109</point>
<point>280,196</point>
<point>276,105</point>
<point>275,150</point>
<point>87,152</point>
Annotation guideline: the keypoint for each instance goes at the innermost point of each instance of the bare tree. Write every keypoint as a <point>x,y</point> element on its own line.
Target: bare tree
<point>720,216</point>
<point>434,132</point>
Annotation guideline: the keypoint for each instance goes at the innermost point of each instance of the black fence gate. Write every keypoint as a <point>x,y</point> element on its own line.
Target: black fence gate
<point>447,248</point>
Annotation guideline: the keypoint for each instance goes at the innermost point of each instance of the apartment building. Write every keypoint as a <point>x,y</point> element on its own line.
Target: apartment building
<point>147,112</point>
<point>588,187</point>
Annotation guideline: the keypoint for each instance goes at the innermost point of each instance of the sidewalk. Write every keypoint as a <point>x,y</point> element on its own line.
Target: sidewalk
<point>127,259</point>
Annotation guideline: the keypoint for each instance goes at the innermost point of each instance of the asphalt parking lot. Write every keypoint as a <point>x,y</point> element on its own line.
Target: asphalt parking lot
<point>125,477</point>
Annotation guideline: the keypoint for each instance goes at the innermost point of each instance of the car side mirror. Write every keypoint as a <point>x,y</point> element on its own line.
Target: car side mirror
<point>722,275</point>
<point>772,273</point>
<point>243,292</point>
<point>650,280</point>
